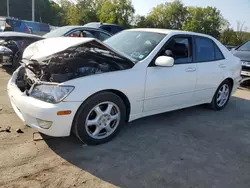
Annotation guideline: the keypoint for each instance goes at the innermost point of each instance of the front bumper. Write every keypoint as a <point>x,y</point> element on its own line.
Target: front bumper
<point>30,109</point>
<point>245,73</point>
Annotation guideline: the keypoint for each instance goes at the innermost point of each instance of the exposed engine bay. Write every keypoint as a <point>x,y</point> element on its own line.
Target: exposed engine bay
<point>74,62</point>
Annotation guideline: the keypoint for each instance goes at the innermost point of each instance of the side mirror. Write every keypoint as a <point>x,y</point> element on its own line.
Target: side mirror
<point>164,61</point>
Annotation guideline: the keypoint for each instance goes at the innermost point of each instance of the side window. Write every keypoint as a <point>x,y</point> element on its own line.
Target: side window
<point>74,34</point>
<point>204,48</point>
<point>103,36</point>
<point>180,48</point>
<point>81,33</point>
<point>218,54</point>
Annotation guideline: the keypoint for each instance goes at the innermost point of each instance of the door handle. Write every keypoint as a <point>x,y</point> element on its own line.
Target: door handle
<point>222,65</point>
<point>190,69</point>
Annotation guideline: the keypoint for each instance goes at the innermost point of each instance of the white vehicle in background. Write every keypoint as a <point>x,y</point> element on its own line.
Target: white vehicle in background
<point>90,88</point>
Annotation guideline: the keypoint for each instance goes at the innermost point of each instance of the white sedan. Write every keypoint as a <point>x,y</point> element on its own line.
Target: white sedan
<point>92,89</point>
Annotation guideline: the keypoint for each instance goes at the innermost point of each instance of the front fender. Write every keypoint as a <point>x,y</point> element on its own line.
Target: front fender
<point>130,82</point>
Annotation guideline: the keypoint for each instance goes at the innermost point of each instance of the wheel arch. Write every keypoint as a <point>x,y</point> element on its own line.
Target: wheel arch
<point>230,80</point>
<point>227,78</point>
<point>116,92</point>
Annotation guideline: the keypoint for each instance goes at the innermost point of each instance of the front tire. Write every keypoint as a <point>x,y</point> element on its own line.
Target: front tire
<point>221,96</point>
<point>100,118</point>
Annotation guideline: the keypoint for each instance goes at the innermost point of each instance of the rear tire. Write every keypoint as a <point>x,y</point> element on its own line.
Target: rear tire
<point>100,118</point>
<point>221,96</point>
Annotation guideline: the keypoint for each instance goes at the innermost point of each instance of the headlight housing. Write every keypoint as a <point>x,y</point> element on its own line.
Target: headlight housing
<point>51,93</point>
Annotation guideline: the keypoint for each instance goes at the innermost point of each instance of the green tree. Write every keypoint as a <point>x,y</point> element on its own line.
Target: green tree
<point>117,12</point>
<point>45,10</point>
<point>204,20</point>
<point>70,11</point>
<point>142,22</point>
<point>228,36</point>
<point>88,11</point>
<point>58,15</point>
<point>168,15</point>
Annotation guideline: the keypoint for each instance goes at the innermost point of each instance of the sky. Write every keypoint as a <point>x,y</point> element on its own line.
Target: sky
<point>232,10</point>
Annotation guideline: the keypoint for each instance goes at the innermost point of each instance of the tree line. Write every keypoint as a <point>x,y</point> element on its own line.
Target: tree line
<point>174,15</point>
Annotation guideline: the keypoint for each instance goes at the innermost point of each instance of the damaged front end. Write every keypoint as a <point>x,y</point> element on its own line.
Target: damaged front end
<point>84,59</point>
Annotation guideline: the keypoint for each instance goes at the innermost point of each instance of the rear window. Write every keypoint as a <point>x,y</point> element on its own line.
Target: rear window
<point>107,28</point>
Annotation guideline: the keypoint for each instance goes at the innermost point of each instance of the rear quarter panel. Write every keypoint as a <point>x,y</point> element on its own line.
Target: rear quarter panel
<point>233,63</point>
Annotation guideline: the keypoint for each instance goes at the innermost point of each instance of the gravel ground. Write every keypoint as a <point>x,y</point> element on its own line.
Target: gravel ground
<point>190,148</point>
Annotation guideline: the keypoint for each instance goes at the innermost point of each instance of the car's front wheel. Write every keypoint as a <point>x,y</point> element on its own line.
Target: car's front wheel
<point>222,95</point>
<point>100,118</point>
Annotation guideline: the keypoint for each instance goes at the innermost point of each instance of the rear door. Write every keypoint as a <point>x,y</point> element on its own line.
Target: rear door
<point>210,66</point>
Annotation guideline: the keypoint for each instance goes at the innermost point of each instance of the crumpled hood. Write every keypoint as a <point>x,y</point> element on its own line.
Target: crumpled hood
<point>43,49</point>
<point>40,50</point>
<point>243,55</point>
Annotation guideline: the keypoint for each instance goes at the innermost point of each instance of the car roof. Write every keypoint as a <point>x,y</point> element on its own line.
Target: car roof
<point>8,34</point>
<point>169,31</point>
<point>98,24</point>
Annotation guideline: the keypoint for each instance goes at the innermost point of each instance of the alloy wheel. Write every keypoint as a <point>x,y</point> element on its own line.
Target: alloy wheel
<point>102,120</point>
<point>223,95</point>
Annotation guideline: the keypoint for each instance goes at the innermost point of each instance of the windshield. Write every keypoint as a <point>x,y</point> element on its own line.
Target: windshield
<point>136,44</point>
<point>58,32</point>
<point>245,47</point>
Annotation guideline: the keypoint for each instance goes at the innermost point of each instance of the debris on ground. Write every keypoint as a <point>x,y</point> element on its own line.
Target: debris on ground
<point>7,129</point>
<point>19,131</point>
<point>37,136</point>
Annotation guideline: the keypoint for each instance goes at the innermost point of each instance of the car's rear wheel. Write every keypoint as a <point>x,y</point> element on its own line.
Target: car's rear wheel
<point>100,118</point>
<point>222,95</point>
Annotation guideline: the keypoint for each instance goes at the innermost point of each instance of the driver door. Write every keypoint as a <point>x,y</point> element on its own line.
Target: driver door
<point>169,88</point>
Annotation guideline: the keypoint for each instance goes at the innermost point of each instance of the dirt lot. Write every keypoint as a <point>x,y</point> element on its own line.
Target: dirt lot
<point>190,148</point>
